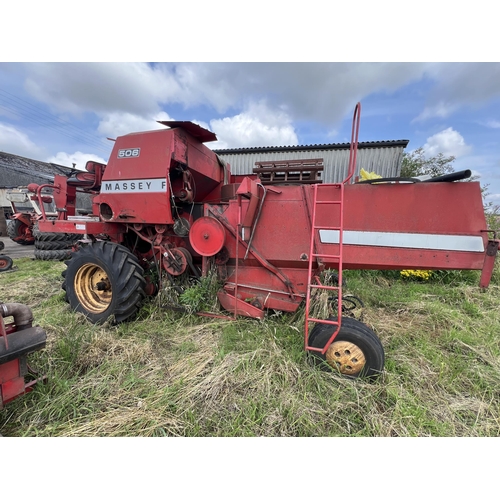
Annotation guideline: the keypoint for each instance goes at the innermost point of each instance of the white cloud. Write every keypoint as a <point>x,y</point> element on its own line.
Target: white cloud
<point>438,110</point>
<point>75,88</point>
<point>460,84</point>
<point>308,91</point>
<point>114,125</point>
<point>324,92</point>
<point>258,126</point>
<point>18,143</point>
<point>449,142</point>
<point>492,124</point>
<point>79,158</point>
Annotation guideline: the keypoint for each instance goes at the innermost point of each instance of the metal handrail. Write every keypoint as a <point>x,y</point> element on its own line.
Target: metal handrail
<point>353,151</point>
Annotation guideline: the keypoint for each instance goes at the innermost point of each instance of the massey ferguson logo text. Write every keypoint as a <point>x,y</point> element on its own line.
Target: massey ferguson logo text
<point>135,186</point>
<point>129,153</point>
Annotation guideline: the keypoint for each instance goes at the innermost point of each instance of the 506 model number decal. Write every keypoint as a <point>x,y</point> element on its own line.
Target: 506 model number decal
<point>129,153</point>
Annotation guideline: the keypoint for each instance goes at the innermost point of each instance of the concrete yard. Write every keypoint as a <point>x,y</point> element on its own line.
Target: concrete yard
<point>16,251</point>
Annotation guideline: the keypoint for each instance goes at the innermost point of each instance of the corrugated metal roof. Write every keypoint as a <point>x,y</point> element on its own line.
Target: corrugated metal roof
<point>19,171</point>
<point>383,158</point>
<point>339,145</point>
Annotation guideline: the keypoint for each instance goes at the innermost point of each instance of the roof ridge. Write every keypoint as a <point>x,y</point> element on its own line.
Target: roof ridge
<point>339,145</point>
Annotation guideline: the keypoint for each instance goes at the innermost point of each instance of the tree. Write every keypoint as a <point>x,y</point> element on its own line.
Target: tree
<point>415,164</point>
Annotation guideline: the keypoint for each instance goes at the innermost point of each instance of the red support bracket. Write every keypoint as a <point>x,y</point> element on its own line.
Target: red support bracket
<point>489,263</point>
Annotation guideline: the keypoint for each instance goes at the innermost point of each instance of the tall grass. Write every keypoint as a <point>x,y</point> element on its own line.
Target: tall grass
<point>173,374</point>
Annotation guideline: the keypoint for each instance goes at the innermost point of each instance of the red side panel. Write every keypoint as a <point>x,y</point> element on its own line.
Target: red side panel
<point>396,226</point>
<point>135,184</point>
<point>420,226</point>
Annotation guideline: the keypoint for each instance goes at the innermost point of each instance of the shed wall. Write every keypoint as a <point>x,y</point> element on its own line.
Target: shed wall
<point>385,161</point>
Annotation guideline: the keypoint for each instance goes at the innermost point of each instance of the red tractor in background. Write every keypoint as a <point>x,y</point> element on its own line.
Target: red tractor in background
<point>22,226</point>
<point>6,262</point>
<point>166,203</point>
<point>25,213</point>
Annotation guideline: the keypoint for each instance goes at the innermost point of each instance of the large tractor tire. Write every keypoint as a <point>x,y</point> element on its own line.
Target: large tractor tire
<point>67,238</point>
<point>104,279</point>
<point>53,245</point>
<point>355,352</point>
<point>19,232</point>
<point>60,254</point>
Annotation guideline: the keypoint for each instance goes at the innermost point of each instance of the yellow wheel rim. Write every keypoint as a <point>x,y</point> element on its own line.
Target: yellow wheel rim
<point>346,357</point>
<point>93,288</point>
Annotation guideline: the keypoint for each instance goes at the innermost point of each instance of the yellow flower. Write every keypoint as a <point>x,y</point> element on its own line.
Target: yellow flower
<point>416,274</point>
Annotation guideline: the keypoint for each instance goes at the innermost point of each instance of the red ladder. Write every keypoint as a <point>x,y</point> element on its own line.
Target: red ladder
<point>336,191</point>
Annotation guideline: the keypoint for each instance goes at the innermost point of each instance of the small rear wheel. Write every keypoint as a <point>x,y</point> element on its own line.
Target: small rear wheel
<point>355,352</point>
<point>5,263</point>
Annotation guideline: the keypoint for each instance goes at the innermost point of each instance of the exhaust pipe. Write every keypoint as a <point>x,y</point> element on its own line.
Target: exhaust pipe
<point>455,176</point>
<point>23,317</point>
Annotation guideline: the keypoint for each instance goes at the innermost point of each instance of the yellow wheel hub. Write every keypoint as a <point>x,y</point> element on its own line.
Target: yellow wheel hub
<point>346,357</point>
<point>93,288</point>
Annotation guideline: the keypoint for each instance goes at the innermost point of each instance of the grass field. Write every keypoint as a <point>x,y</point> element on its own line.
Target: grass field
<point>169,374</point>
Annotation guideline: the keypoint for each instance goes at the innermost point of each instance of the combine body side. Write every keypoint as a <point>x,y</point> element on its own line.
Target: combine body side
<point>410,226</point>
<point>166,202</point>
<point>386,226</point>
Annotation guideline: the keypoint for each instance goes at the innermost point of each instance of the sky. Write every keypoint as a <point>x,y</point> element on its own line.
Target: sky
<point>64,112</point>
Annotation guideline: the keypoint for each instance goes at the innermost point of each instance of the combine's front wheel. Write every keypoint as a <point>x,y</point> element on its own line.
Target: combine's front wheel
<point>104,279</point>
<point>355,352</point>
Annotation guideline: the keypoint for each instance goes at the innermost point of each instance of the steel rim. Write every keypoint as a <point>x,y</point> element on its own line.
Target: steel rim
<point>4,263</point>
<point>346,357</point>
<point>93,288</point>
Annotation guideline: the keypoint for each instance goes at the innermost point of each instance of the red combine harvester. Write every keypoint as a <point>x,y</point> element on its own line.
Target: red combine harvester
<point>17,339</point>
<point>164,200</point>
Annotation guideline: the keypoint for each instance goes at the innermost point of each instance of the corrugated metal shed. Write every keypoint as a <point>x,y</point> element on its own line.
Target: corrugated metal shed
<point>383,158</point>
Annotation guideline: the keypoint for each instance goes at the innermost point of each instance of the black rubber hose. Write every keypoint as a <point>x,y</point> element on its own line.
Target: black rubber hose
<point>455,176</point>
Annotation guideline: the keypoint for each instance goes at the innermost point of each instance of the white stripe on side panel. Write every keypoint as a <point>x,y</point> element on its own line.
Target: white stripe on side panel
<point>135,186</point>
<point>405,240</point>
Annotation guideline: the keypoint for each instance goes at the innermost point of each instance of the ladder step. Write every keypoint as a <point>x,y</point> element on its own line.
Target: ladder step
<point>327,227</point>
<point>326,287</point>
<point>315,349</point>
<point>336,202</point>
<point>323,321</point>
<point>326,256</point>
